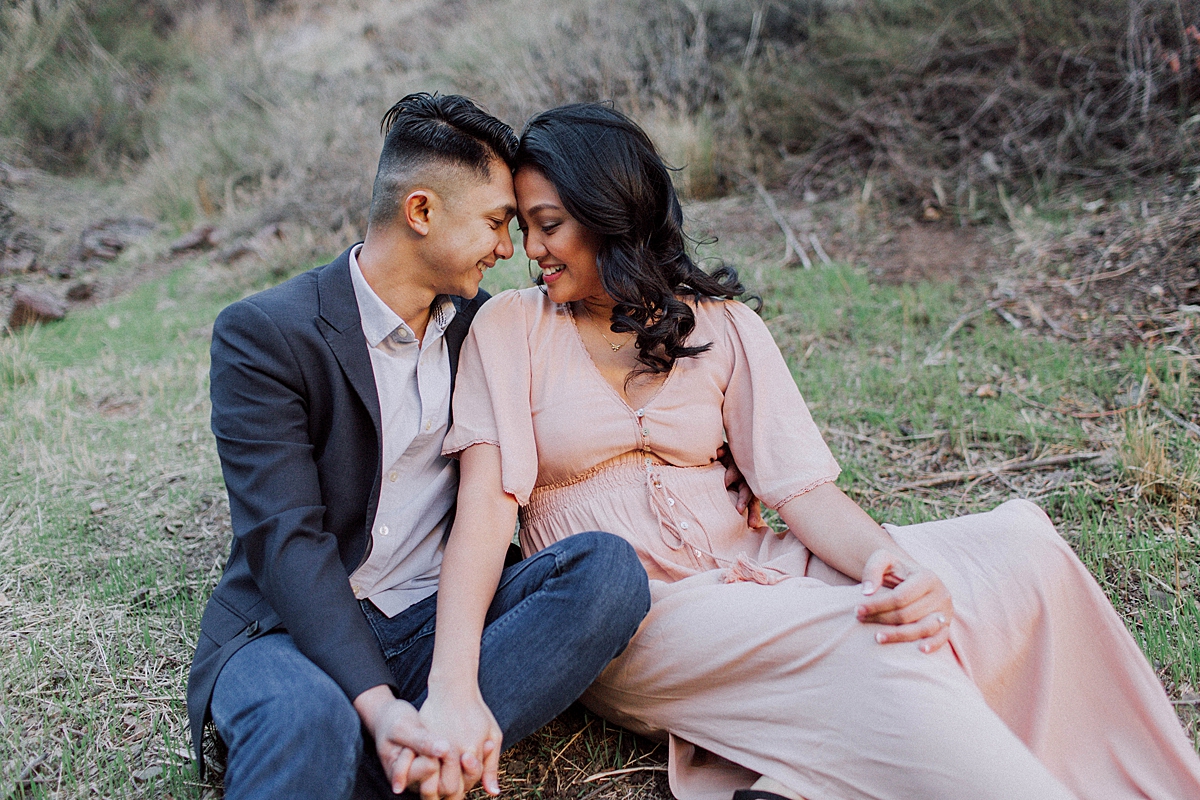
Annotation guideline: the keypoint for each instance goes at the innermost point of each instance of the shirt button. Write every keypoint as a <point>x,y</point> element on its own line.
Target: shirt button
<point>428,424</point>
<point>649,462</point>
<point>392,476</point>
<point>683,525</point>
<point>354,588</point>
<point>670,501</point>
<point>645,431</point>
<point>696,550</point>
<point>641,412</point>
<point>383,530</point>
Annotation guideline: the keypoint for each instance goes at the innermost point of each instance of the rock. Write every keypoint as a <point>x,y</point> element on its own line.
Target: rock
<point>150,773</point>
<point>106,239</point>
<point>200,236</point>
<point>19,261</point>
<point>30,307</point>
<point>98,506</point>
<point>81,291</point>
<point>236,251</point>
<point>65,272</point>
<point>11,176</point>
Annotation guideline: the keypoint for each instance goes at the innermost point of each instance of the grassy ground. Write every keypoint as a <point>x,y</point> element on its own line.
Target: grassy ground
<point>114,524</point>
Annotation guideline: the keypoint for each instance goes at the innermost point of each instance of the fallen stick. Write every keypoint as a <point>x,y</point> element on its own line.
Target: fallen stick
<point>1010,319</point>
<point>794,248</point>
<point>820,251</point>
<point>26,780</point>
<point>1190,427</point>
<point>614,773</point>
<point>1016,465</point>
<point>931,355</point>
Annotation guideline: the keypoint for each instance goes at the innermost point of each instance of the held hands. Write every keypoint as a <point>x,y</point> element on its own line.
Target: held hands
<point>410,754</point>
<point>907,596</point>
<point>464,720</point>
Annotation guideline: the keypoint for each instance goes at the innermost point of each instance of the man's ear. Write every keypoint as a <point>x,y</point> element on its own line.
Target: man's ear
<point>416,210</point>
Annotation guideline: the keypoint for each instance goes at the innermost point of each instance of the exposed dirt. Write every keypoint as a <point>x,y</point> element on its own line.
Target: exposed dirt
<point>918,251</point>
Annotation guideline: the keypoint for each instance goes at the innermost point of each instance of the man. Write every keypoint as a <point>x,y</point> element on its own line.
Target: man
<point>331,397</point>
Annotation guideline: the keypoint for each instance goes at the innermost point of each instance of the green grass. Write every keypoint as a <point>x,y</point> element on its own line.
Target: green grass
<point>114,525</point>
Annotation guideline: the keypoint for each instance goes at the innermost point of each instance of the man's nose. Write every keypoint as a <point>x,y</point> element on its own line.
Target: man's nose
<point>504,248</point>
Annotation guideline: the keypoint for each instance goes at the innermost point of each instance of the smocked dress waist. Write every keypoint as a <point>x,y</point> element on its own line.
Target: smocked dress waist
<point>680,520</point>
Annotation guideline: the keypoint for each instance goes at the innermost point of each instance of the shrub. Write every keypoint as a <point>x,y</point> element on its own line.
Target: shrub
<point>79,78</point>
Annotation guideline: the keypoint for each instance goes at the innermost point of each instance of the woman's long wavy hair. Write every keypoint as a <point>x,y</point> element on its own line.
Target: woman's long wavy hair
<point>613,182</point>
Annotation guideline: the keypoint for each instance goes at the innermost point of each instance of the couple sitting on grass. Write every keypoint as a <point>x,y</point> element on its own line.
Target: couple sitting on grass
<point>963,659</point>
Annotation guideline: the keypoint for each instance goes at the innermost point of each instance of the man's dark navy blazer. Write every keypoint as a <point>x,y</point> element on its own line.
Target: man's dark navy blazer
<point>296,417</point>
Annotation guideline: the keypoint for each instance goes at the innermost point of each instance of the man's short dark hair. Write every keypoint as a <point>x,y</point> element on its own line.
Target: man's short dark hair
<point>423,129</point>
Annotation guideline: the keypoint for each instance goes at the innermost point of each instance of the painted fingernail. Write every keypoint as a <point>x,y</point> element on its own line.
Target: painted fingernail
<point>941,618</point>
<point>868,587</point>
<point>880,637</point>
<point>925,648</point>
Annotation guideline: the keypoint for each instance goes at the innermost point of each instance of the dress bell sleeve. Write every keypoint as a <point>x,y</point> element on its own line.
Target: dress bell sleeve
<point>772,436</point>
<point>492,393</point>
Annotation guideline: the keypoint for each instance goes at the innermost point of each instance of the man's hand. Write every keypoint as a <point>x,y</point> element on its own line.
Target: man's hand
<point>736,482</point>
<point>464,720</point>
<point>907,596</point>
<point>411,756</point>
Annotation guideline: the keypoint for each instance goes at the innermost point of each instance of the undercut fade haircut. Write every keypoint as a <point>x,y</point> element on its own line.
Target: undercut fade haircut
<point>426,129</point>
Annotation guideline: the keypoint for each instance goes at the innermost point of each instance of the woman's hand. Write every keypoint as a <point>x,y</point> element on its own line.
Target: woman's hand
<point>746,502</point>
<point>908,597</point>
<point>465,721</point>
<point>411,756</point>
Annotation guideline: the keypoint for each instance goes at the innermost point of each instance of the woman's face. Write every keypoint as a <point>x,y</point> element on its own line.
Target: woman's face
<point>564,249</point>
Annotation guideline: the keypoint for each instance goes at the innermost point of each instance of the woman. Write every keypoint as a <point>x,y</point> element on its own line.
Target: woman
<point>809,664</point>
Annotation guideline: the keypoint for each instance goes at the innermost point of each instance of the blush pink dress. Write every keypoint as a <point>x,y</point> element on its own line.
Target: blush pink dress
<point>751,661</point>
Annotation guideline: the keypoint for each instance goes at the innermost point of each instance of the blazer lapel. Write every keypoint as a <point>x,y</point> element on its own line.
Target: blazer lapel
<point>341,326</point>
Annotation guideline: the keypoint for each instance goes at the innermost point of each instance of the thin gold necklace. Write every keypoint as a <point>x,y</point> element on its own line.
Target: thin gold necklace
<point>615,347</point>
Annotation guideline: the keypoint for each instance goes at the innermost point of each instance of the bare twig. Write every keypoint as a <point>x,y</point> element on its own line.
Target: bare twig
<point>1016,465</point>
<point>931,355</point>
<point>794,248</point>
<point>24,780</point>
<point>755,29</point>
<point>820,251</point>
<point>1009,318</point>
<point>1190,427</point>
<point>615,772</point>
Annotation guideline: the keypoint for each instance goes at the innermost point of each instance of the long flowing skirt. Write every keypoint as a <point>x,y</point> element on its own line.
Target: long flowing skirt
<point>1041,694</point>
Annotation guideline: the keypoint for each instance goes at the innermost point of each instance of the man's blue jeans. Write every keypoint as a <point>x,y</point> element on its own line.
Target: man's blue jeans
<point>557,619</point>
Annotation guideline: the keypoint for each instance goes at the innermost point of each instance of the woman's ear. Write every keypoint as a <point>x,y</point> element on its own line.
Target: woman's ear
<point>416,210</point>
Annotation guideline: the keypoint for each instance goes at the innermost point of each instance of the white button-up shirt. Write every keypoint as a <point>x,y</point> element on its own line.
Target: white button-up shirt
<point>419,485</point>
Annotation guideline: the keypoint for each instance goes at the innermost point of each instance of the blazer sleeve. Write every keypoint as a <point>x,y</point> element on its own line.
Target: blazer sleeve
<point>492,400</point>
<point>772,436</point>
<point>260,420</point>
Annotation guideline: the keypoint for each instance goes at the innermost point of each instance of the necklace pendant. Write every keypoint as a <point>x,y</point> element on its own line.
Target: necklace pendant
<point>616,347</point>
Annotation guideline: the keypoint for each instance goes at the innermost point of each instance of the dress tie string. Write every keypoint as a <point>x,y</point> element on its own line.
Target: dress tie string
<point>671,532</point>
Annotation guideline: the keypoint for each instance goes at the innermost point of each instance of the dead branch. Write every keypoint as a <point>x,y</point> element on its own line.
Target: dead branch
<point>820,251</point>
<point>1015,465</point>
<point>794,248</point>
<point>1190,427</point>
<point>932,353</point>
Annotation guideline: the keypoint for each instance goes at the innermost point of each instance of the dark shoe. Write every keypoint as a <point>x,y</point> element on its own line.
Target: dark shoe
<point>756,794</point>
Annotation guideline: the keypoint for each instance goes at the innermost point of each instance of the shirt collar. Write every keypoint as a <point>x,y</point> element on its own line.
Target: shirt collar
<point>379,322</point>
